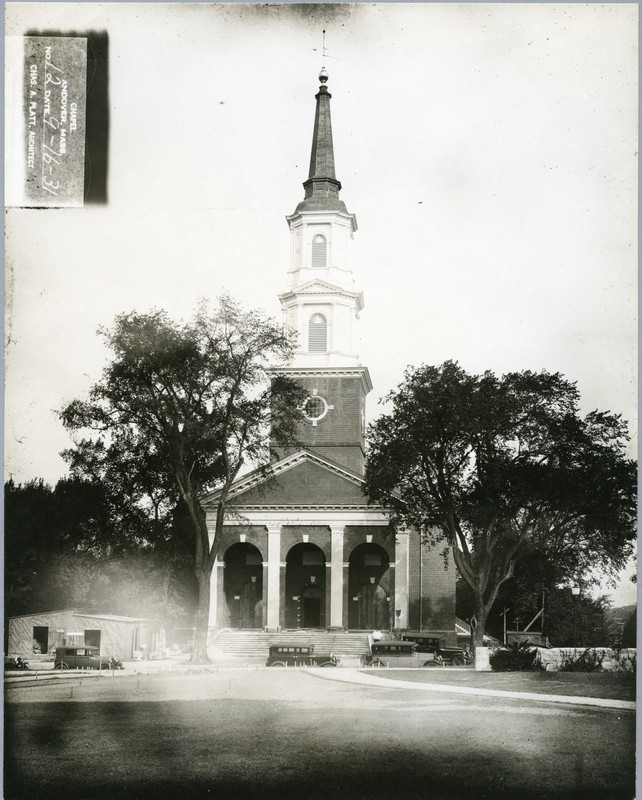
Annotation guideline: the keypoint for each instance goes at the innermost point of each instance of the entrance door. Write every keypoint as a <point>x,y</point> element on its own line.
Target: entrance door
<point>369,588</point>
<point>40,639</point>
<point>249,598</point>
<point>311,612</point>
<point>373,611</point>
<point>312,598</point>
<point>243,586</point>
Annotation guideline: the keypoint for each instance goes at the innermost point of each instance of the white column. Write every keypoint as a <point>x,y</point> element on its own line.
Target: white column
<point>273,572</point>
<point>213,619</point>
<point>401,578</point>
<point>336,577</point>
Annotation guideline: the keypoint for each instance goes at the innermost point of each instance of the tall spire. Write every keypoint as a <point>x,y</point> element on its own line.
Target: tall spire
<point>322,187</point>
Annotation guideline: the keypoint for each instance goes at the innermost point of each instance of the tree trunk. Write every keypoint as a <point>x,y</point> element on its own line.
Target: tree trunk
<point>477,636</point>
<point>199,654</point>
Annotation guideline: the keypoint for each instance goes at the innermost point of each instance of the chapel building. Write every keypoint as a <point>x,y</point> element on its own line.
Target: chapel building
<point>304,549</point>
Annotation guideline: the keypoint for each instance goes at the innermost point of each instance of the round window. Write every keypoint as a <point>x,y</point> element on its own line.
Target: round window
<point>315,408</point>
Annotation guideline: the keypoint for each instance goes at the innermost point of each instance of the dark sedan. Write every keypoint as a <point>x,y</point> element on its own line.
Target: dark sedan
<point>297,655</point>
<point>449,654</point>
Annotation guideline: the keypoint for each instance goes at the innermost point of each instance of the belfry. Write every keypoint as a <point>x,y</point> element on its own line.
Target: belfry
<point>305,550</point>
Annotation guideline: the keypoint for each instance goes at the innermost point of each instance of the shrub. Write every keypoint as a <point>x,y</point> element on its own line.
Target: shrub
<point>625,663</point>
<point>514,657</point>
<point>588,660</point>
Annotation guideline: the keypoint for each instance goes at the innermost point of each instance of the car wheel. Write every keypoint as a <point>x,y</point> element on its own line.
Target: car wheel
<point>104,665</point>
<point>277,664</point>
<point>327,664</point>
<point>61,666</point>
<point>458,661</point>
<point>377,663</point>
<point>433,663</point>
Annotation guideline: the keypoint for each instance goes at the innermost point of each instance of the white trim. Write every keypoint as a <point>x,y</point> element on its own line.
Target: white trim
<point>268,517</point>
<point>213,612</point>
<point>273,575</point>
<point>402,576</point>
<point>336,575</point>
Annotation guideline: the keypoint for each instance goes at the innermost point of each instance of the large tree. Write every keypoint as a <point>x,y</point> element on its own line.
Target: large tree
<point>180,409</point>
<point>493,469</point>
<point>79,545</point>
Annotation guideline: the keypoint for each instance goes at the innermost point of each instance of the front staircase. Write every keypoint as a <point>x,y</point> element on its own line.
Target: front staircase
<point>254,644</point>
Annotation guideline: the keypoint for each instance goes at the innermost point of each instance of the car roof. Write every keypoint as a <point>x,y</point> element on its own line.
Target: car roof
<point>77,647</point>
<point>291,644</point>
<point>396,642</point>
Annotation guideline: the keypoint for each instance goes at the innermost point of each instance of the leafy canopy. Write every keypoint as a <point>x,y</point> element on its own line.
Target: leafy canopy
<point>180,409</point>
<point>189,401</point>
<point>498,468</point>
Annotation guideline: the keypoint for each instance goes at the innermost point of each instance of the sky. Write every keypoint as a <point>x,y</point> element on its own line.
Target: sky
<point>489,152</point>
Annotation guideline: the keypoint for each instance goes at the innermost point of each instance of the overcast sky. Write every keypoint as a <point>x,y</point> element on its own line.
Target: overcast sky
<point>489,153</point>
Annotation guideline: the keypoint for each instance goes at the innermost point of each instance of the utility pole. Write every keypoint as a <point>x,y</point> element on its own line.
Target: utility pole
<point>504,612</point>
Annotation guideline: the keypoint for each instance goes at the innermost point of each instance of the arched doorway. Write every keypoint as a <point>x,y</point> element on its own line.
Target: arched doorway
<point>305,587</point>
<point>243,585</point>
<point>369,588</point>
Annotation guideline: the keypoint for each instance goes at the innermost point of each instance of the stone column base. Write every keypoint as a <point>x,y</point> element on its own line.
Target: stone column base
<point>482,661</point>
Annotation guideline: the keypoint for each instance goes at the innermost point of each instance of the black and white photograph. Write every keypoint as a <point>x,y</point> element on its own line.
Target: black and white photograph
<point>320,411</point>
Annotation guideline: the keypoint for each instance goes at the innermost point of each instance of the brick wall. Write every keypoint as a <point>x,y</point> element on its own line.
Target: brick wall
<point>307,483</point>
<point>431,590</point>
<point>340,434</point>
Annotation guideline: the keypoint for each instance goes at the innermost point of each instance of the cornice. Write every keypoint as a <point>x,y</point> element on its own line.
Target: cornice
<point>332,372</point>
<point>321,215</point>
<point>320,287</point>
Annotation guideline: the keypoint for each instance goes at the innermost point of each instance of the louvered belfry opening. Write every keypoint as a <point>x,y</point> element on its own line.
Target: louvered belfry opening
<point>318,334</point>
<point>319,252</point>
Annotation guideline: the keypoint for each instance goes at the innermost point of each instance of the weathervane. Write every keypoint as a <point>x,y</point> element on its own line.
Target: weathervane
<point>323,75</point>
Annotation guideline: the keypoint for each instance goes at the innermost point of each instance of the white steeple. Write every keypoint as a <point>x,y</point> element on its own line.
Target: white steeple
<point>322,303</point>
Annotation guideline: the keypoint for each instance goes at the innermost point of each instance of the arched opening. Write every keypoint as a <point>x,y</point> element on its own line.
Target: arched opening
<point>243,585</point>
<point>305,587</point>
<point>369,588</point>
<point>317,334</point>
<point>319,252</point>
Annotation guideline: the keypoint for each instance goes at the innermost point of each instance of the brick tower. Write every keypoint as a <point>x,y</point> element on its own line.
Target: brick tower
<point>322,305</point>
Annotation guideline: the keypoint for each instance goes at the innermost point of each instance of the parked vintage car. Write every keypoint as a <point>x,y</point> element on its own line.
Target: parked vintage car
<point>84,657</point>
<point>436,645</point>
<point>397,653</point>
<point>298,655</point>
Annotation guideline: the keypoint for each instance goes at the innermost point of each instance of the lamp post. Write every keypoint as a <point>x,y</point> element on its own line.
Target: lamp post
<point>575,591</point>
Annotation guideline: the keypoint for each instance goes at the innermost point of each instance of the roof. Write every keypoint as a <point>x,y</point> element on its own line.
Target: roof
<point>40,613</point>
<point>76,613</point>
<point>322,187</point>
<point>115,617</point>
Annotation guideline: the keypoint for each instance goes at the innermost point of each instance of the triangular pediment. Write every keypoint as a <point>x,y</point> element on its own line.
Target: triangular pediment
<point>300,480</point>
<point>318,286</point>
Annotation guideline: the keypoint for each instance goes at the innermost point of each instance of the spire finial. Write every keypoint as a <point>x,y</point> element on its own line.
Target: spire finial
<point>323,75</point>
